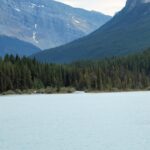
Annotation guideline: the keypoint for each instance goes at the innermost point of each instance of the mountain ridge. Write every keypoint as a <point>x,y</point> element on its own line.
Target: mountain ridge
<point>14,46</point>
<point>128,32</point>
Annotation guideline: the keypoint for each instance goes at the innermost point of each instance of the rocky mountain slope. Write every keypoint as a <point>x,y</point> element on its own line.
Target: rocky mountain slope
<point>46,23</point>
<point>128,32</point>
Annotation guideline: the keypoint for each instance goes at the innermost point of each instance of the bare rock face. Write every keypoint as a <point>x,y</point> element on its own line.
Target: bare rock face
<point>46,23</point>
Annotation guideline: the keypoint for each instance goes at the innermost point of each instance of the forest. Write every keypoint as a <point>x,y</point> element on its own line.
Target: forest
<point>115,74</point>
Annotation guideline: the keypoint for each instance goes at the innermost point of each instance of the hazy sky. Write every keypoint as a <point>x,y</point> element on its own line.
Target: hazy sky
<point>106,6</point>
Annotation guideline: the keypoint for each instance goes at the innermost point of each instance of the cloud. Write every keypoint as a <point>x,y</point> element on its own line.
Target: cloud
<point>106,6</point>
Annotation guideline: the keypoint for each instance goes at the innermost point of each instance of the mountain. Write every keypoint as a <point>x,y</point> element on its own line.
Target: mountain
<point>9,45</point>
<point>46,23</point>
<point>128,32</point>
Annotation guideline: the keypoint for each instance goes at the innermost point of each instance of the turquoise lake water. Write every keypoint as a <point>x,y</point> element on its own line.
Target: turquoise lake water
<point>109,121</point>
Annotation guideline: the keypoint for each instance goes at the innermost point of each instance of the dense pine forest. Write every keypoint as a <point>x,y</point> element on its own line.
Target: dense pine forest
<point>115,74</point>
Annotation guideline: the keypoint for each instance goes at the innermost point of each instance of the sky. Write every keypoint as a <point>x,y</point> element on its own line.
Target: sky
<point>109,7</point>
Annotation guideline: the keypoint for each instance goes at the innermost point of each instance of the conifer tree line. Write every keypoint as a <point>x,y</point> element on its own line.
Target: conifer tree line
<point>124,73</point>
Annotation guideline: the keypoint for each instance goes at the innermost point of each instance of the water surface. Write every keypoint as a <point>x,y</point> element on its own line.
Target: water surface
<point>109,121</point>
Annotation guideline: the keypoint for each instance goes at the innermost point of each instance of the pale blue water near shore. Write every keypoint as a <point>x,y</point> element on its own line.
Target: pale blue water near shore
<point>109,121</point>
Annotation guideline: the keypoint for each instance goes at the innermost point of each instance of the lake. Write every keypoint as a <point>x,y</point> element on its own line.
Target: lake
<point>107,121</point>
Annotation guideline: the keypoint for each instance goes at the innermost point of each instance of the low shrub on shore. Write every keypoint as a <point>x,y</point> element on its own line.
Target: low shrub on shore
<point>48,90</point>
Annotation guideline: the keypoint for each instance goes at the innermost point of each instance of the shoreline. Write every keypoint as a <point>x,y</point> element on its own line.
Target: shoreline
<point>75,92</point>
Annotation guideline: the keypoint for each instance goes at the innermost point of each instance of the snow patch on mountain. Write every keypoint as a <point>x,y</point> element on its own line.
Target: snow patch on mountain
<point>34,37</point>
<point>75,20</point>
<point>35,26</point>
<point>35,5</point>
<point>17,9</point>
